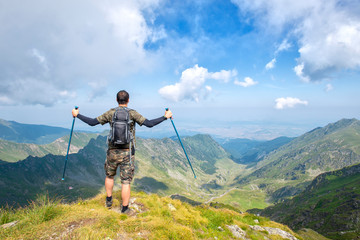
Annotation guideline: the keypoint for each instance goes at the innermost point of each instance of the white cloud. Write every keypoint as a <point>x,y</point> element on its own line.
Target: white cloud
<point>246,83</point>
<point>282,47</point>
<point>191,85</point>
<point>223,75</point>
<point>53,45</point>
<point>41,58</point>
<point>271,64</point>
<point>327,32</point>
<point>129,23</point>
<point>285,45</point>
<point>329,87</point>
<point>288,102</point>
<point>299,72</point>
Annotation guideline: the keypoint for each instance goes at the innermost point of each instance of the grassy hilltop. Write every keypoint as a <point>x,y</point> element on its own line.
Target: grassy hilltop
<point>154,218</point>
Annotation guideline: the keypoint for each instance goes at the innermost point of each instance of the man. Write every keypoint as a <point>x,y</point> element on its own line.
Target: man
<point>119,156</point>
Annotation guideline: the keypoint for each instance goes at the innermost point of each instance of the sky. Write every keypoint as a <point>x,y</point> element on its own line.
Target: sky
<point>254,69</point>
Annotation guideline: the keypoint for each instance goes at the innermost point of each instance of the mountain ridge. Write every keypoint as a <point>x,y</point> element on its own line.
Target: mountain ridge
<point>13,152</point>
<point>323,149</point>
<point>31,133</point>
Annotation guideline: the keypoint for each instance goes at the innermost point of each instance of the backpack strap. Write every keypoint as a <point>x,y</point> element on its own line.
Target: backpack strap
<point>132,140</point>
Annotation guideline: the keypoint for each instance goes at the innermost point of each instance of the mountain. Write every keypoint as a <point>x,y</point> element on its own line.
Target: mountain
<point>12,151</point>
<point>30,133</point>
<point>330,204</point>
<point>21,181</point>
<point>161,167</point>
<point>291,167</point>
<point>248,151</point>
<point>153,217</point>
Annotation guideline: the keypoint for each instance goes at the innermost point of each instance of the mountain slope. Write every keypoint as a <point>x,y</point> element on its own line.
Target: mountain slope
<point>330,204</point>
<point>161,167</point>
<point>12,152</point>
<point>23,180</point>
<point>154,217</point>
<point>30,133</point>
<point>323,149</point>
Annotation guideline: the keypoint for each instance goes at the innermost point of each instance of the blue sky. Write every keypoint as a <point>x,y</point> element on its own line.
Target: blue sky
<point>256,69</point>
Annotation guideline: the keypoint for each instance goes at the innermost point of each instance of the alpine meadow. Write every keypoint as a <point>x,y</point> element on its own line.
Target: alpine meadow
<point>160,119</point>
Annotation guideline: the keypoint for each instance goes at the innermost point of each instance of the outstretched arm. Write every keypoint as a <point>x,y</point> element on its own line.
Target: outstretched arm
<point>90,121</point>
<point>156,121</point>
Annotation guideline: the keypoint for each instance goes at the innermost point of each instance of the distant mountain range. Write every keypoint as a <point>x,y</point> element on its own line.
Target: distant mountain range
<point>12,151</point>
<point>30,133</point>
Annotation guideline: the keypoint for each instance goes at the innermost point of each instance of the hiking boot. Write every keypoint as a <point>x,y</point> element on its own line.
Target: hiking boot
<point>109,203</point>
<point>129,212</point>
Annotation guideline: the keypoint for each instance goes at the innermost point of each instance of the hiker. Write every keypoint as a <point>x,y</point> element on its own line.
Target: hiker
<point>119,155</point>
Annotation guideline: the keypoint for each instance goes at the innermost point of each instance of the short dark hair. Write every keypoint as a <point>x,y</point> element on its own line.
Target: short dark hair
<point>122,97</point>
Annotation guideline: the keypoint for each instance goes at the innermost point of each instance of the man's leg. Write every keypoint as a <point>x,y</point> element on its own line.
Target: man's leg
<point>125,194</point>
<point>109,184</point>
<point>127,170</point>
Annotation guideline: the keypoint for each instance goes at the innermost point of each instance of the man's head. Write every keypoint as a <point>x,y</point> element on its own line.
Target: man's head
<point>122,97</point>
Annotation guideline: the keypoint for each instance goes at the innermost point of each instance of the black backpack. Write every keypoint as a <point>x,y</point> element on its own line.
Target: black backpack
<point>120,133</point>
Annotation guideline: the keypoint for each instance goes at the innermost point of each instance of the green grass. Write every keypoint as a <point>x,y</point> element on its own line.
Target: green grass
<point>89,219</point>
<point>244,199</point>
<point>310,234</point>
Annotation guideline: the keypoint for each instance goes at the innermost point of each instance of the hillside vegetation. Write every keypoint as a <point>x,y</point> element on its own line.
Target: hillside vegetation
<point>154,217</point>
<point>330,204</point>
<point>287,170</point>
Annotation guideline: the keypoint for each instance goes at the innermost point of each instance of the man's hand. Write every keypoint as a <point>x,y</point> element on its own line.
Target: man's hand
<point>75,112</point>
<point>168,114</point>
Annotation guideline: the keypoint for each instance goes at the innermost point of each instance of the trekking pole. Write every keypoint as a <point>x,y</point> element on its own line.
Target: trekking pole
<point>181,144</point>
<point>67,153</point>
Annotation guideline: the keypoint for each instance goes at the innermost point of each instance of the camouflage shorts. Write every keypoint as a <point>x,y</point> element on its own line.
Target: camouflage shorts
<point>119,158</point>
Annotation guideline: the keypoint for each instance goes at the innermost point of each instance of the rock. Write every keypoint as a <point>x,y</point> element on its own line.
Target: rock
<point>237,232</point>
<point>274,231</point>
<point>220,229</point>
<point>10,224</point>
<point>171,207</point>
<point>281,233</point>
<point>257,228</point>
